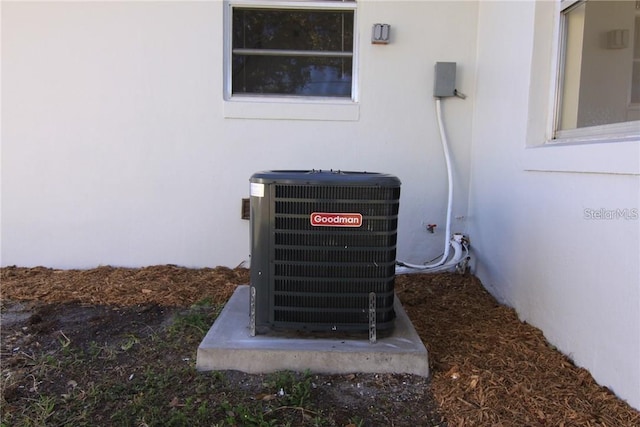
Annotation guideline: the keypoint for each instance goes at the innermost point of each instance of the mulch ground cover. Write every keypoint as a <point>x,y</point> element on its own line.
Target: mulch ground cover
<point>488,368</point>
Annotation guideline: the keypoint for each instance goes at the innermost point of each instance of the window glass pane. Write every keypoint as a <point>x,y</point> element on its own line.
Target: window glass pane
<point>292,75</point>
<point>293,29</point>
<point>292,52</point>
<point>635,80</point>
<point>598,64</point>
<point>635,87</point>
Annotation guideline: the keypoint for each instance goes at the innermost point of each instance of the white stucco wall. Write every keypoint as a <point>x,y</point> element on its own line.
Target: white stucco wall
<point>533,209</point>
<point>116,149</point>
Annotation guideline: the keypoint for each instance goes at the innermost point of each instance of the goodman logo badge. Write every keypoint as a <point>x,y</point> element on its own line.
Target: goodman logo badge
<point>325,219</point>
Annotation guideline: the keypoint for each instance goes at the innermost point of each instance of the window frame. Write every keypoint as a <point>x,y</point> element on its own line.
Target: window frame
<point>613,132</point>
<point>603,152</point>
<point>229,96</point>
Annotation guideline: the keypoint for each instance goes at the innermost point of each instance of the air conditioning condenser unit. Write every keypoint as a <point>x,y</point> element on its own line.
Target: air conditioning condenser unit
<point>323,250</point>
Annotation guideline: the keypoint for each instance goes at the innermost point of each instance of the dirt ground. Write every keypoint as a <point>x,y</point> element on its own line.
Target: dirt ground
<point>488,368</point>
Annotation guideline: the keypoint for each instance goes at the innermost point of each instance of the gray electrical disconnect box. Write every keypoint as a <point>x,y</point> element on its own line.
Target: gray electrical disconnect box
<point>445,80</point>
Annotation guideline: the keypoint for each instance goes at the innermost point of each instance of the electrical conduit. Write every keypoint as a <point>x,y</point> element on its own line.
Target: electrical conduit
<point>441,265</point>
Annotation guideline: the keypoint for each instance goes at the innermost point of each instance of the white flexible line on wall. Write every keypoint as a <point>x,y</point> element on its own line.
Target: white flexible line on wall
<point>460,251</point>
<point>447,158</point>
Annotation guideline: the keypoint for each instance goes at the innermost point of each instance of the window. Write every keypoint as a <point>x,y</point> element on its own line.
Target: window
<point>602,149</point>
<point>290,49</point>
<point>599,68</point>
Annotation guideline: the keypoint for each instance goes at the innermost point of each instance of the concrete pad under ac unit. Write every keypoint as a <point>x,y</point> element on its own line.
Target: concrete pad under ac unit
<point>229,346</point>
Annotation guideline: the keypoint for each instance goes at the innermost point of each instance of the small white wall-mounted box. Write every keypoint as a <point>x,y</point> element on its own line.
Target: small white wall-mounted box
<point>617,39</point>
<point>380,33</point>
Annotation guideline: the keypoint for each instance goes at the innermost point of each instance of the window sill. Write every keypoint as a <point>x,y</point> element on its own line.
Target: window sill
<point>285,109</point>
<point>604,156</point>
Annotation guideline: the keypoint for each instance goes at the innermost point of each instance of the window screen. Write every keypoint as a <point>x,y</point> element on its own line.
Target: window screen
<point>303,52</point>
